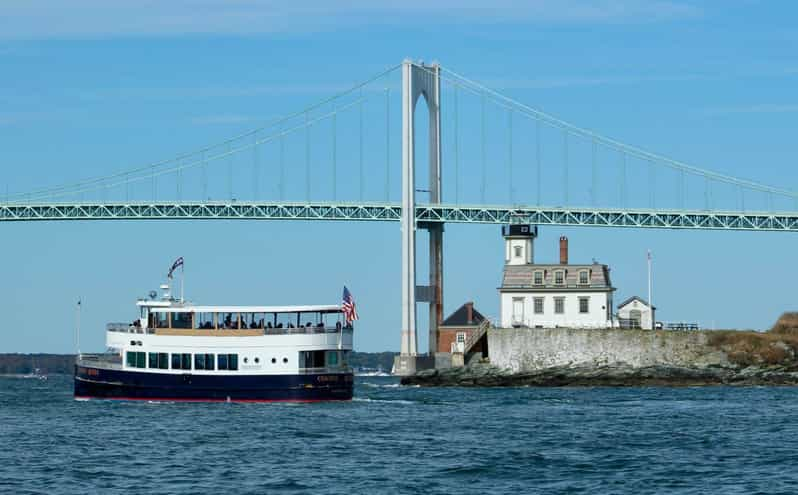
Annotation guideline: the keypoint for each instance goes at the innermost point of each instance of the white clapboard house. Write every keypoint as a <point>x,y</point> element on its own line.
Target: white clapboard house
<point>551,295</point>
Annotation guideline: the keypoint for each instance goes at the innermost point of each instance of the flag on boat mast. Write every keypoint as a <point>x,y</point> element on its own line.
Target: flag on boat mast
<point>178,262</point>
<point>348,306</point>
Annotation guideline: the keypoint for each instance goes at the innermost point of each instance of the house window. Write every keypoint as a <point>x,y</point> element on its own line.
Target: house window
<point>559,277</point>
<point>517,251</point>
<point>559,305</point>
<point>461,337</point>
<point>538,305</point>
<point>584,279</point>
<point>584,305</point>
<point>538,277</point>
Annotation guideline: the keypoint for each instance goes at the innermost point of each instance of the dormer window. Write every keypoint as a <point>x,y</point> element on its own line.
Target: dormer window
<point>559,277</point>
<point>584,277</point>
<point>537,278</point>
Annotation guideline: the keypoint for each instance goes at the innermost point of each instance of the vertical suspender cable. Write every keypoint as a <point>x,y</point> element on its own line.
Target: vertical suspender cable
<point>652,199</point>
<point>682,197</point>
<point>229,172</point>
<point>204,178</point>
<point>387,144</point>
<point>565,169</point>
<point>179,180</point>
<point>154,185</point>
<point>537,158</point>
<point>307,157</point>
<point>510,154</point>
<point>281,185</point>
<point>335,152</point>
<point>127,187</point>
<point>623,179</point>
<point>594,182</point>
<point>456,147</point>
<point>255,168</point>
<point>484,160</point>
<point>360,147</point>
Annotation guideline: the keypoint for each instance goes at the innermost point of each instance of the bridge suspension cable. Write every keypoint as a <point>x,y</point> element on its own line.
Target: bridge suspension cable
<point>156,169</point>
<point>500,99</point>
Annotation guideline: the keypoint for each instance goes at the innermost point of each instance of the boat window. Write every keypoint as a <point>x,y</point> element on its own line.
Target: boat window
<point>344,358</point>
<point>286,320</point>
<point>310,359</point>
<point>331,319</point>
<point>257,320</point>
<point>228,362</point>
<point>309,319</point>
<point>163,360</point>
<point>161,320</point>
<point>332,359</point>
<point>153,360</point>
<point>203,361</point>
<point>203,321</point>
<point>136,359</point>
<point>181,320</point>
<point>227,321</point>
<point>181,361</point>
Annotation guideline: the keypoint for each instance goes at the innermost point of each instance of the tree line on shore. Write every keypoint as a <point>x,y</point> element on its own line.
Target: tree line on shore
<point>22,364</point>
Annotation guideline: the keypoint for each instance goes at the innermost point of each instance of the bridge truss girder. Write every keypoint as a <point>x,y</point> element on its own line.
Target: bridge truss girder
<point>438,213</point>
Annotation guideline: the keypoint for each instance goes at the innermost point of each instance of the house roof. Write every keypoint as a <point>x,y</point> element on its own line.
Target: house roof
<point>460,317</point>
<point>635,298</point>
<point>522,277</point>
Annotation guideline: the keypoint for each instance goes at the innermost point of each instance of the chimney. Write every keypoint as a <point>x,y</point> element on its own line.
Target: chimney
<point>563,250</point>
<point>470,312</point>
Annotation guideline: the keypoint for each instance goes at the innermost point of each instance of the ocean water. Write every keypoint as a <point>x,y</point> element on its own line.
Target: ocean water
<point>394,439</point>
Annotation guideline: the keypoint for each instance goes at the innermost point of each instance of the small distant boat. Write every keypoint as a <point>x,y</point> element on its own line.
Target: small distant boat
<point>378,371</point>
<point>37,374</point>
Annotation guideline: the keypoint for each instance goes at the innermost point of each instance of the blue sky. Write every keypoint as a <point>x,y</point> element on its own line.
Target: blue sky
<point>91,88</point>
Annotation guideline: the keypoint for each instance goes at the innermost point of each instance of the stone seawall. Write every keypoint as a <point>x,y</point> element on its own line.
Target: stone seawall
<point>530,349</point>
<point>615,357</point>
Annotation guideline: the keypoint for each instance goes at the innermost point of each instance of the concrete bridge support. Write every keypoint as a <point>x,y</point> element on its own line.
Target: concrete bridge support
<point>419,80</point>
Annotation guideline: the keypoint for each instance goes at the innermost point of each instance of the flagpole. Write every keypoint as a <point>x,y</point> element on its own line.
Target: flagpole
<point>650,301</point>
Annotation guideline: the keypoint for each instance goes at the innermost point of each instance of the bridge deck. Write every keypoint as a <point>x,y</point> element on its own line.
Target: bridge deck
<point>265,210</point>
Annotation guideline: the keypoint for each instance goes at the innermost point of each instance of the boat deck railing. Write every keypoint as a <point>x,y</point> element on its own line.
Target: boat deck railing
<point>128,328</point>
<point>107,361</point>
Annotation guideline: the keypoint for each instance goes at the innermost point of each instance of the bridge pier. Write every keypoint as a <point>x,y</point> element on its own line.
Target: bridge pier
<point>420,80</point>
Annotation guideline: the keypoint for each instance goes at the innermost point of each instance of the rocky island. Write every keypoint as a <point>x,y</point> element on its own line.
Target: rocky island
<point>619,357</point>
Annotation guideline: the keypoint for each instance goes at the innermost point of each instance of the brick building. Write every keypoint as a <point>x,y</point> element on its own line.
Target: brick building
<point>458,326</point>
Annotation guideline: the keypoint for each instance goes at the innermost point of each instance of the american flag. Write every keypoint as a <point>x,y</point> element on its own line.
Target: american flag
<point>348,305</point>
<point>178,262</point>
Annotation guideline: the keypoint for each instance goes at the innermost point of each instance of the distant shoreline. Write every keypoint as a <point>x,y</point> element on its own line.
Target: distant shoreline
<point>19,364</point>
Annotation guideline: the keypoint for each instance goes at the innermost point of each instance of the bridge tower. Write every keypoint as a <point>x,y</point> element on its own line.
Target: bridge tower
<point>420,80</point>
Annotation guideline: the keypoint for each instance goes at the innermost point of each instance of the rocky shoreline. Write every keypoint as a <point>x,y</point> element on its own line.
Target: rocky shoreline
<point>486,375</point>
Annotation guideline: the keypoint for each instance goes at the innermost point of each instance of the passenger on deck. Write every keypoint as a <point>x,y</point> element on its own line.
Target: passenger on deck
<point>269,325</point>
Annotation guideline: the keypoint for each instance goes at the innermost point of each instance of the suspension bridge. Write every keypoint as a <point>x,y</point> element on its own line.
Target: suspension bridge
<point>346,158</point>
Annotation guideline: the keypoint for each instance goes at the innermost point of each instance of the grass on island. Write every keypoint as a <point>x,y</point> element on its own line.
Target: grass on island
<point>777,346</point>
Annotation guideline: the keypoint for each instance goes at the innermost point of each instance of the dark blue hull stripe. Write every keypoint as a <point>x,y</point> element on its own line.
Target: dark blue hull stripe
<point>98,383</point>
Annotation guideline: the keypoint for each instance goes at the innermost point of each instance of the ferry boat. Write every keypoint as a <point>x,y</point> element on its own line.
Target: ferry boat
<point>178,351</point>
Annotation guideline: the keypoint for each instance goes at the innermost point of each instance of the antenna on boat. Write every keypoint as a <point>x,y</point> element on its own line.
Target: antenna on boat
<point>182,282</point>
<point>77,327</point>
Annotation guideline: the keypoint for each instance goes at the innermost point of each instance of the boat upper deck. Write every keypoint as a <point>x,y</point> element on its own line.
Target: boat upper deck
<point>171,317</point>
